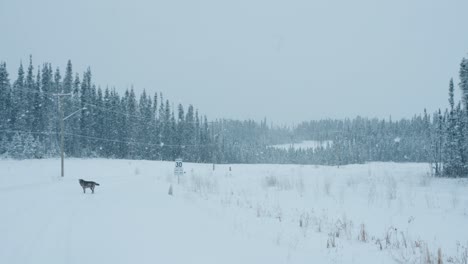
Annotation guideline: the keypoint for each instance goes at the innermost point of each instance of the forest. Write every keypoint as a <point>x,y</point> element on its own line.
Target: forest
<point>100,122</point>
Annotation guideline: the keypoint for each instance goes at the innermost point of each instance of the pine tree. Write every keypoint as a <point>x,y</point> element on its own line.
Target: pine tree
<point>108,125</point>
<point>133,124</point>
<point>464,81</point>
<point>190,134</point>
<point>156,131</point>
<point>38,106</point>
<point>67,88</point>
<point>172,136</point>
<point>73,124</point>
<point>17,103</point>
<point>464,119</point>
<point>5,99</point>
<point>180,139</point>
<point>29,97</point>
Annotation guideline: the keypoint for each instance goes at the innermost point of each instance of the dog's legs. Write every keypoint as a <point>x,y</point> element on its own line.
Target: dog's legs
<point>92,189</point>
<point>84,190</point>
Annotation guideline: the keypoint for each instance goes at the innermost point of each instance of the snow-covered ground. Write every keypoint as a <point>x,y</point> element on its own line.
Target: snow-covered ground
<point>307,144</point>
<point>371,213</point>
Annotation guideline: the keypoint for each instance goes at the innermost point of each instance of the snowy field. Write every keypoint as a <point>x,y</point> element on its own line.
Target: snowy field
<point>307,144</point>
<point>371,213</point>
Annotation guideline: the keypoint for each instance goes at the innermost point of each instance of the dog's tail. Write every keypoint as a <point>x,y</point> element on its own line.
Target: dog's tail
<point>97,184</point>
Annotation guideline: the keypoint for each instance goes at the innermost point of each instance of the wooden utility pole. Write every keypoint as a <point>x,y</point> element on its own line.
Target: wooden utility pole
<point>62,119</point>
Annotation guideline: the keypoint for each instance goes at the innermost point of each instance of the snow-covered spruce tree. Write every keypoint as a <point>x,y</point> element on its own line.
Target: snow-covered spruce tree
<point>133,124</point>
<point>450,137</point>
<point>437,139</point>
<point>464,90</point>
<point>72,125</point>
<point>67,104</point>
<point>166,133</point>
<point>18,104</point>
<point>190,135</point>
<point>145,123</point>
<point>23,146</point>
<point>5,99</point>
<point>156,130</point>
<point>31,147</point>
<point>4,141</point>
<point>198,148</point>
<point>458,161</point>
<point>38,107</point>
<point>15,147</point>
<point>29,96</point>
<point>40,119</point>
<point>464,81</point>
<point>49,111</point>
<point>172,135</point>
<point>86,120</point>
<point>179,138</point>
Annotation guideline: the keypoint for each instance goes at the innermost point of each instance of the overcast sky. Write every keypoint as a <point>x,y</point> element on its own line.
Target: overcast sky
<point>287,60</point>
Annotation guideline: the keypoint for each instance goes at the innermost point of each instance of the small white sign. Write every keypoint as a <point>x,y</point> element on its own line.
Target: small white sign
<point>179,169</point>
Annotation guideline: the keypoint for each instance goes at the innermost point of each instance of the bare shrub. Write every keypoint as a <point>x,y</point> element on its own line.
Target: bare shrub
<point>281,183</point>
<point>391,188</point>
<point>351,182</point>
<point>331,243</point>
<point>379,243</point>
<point>338,228</point>
<point>427,258</point>
<point>397,240</point>
<point>425,180</point>
<point>300,185</point>
<point>372,193</point>
<point>343,227</point>
<point>439,256</point>
<point>304,220</point>
<point>462,255</point>
<point>203,184</point>
<point>270,181</point>
<point>363,236</point>
<point>327,186</point>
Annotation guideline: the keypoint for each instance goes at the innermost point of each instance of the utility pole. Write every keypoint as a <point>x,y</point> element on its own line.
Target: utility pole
<point>62,120</point>
<point>60,108</point>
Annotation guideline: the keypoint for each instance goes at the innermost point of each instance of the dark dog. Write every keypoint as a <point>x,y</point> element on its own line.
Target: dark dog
<point>88,184</point>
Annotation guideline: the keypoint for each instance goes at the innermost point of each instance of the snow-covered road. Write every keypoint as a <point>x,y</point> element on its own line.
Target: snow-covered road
<point>127,220</point>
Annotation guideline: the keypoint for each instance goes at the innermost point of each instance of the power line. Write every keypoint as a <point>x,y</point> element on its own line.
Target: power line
<point>52,95</point>
<point>28,132</point>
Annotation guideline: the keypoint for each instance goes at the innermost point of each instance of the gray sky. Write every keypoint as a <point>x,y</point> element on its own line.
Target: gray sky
<point>287,60</point>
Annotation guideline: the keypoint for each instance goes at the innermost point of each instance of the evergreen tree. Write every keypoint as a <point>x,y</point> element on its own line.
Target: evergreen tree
<point>180,133</point>
<point>5,99</point>
<point>464,81</point>
<point>190,134</point>
<point>464,119</point>
<point>17,103</point>
<point>86,120</point>
<point>29,98</point>
<point>133,123</point>
<point>38,106</point>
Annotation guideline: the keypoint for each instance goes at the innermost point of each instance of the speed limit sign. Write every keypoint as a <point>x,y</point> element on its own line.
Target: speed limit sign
<point>179,169</point>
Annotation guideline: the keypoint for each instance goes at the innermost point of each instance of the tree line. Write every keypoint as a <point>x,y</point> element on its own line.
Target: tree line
<point>106,124</point>
<point>103,124</point>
